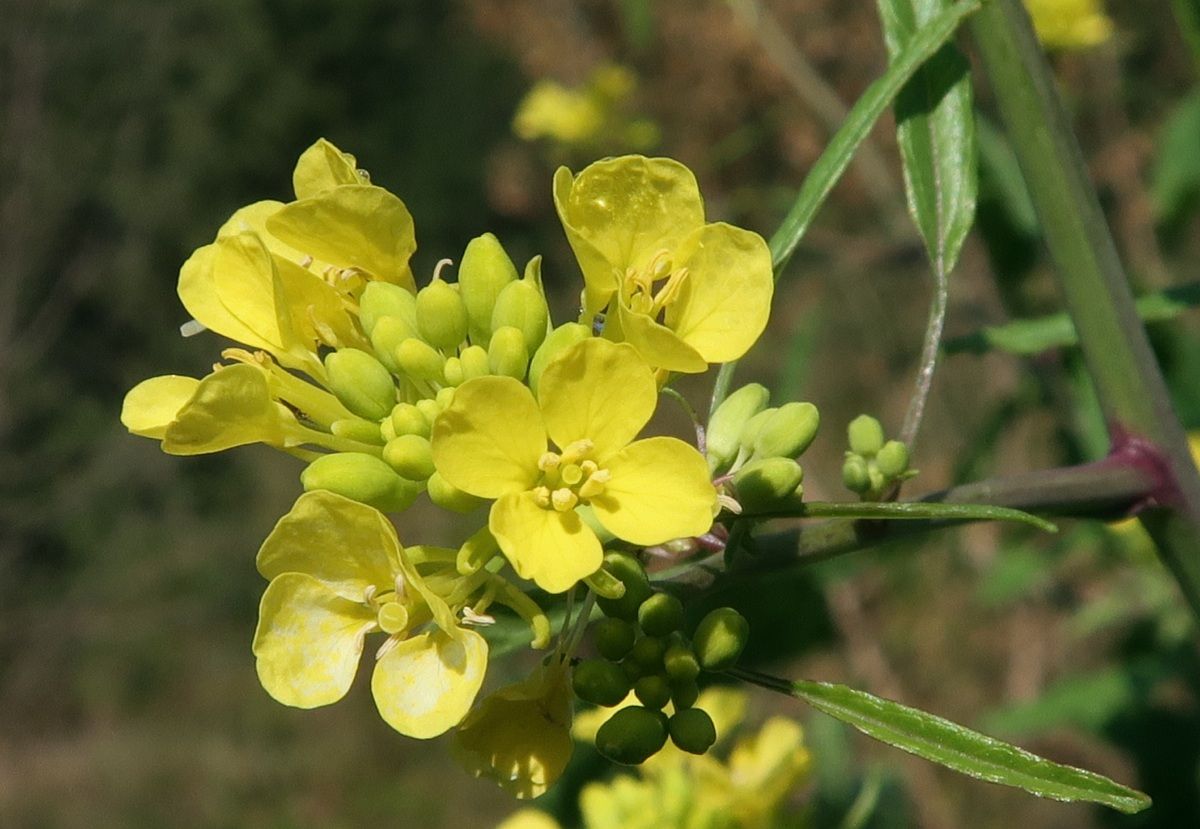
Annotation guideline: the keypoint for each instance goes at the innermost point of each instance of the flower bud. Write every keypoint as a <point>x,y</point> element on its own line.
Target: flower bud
<point>411,456</point>
<point>751,429</point>
<point>788,431</point>
<point>361,382</point>
<point>441,315</point>
<point>407,419</point>
<point>684,693</point>
<point>892,459</point>
<point>720,638</point>
<point>420,361</point>
<point>764,483</point>
<point>507,353</point>
<point>856,474</point>
<point>386,430</point>
<point>484,271</point>
<point>429,408</point>
<point>866,435</point>
<point>383,299</point>
<point>632,735</point>
<point>652,691</point>
<point>629,572</point>
<point>680,662</point>
<point>453,371</point>
<point>599,682</point>
<point>450,497</point>
<point>474,359</point>
<point>364,431</point>
<point>660,614</point>
<point>522,305</point>
<point>648,653</point>
<point>692,730</point>
<point>614,638</point>
<point>389,332</point>
<point>360,477</point>
<point>725,425</point>
<point>556,342</point>
<point>443,398</point>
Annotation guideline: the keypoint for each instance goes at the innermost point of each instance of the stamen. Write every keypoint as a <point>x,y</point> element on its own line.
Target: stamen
<point>369,593</point>
<point>470,617</point>
<point>594,485</point>
<point>729,503</point>
<point>549,461</point>
<point>564,499</point>
<point>388,644</point>
<point>191,328</point>
<point>306,261</point>
<point>541,497</point>
<point>437,269</point>
<point>575,451</point>
<point>401,587</point>
<point>588,467</point>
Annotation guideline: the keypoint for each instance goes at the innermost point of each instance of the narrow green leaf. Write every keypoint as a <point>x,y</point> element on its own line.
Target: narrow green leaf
<point>953,746</point>
<point>906,510</point>
<point>1176,175</point>
<point>935,128</point>
<point>866,111</point>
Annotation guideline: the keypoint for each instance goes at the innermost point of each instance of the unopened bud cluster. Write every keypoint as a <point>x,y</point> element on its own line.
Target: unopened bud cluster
<point>873,464</point>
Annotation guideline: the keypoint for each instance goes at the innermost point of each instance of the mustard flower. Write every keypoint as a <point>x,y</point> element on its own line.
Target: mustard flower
<point>493,439</point>
<point>1070,24</point>
<point>683,292</point>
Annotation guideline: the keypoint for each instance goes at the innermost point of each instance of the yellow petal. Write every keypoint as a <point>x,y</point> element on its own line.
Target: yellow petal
<point>345,545</point>
<point>353,226</point>
<point>231,407</point>
<point>723,305</point>
<point>248,286</point>
<point>659,490</point>
<point>313,302</point>
<point>198,292</point>
<point>529,819</point>
<point>308,641</point>
<point>152,404</point>
<point>488,440</point>
<point>425,685</point>
<point>658,345</point>
<point>598,390</point>
<point>554,549</point>
<point>322,167</point>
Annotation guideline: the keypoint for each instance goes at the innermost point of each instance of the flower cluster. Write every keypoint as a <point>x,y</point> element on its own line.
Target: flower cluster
<point>465,393</point>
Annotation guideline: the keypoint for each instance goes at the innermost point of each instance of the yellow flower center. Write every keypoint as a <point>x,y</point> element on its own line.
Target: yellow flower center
<point>639,291</point>
<point>569,477</point>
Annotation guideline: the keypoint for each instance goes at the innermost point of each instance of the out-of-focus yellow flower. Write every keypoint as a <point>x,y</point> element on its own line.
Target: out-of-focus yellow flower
<point>550,110</point>
<point>529,819</point>
<point>1070,24</point>
<point>683,292</point>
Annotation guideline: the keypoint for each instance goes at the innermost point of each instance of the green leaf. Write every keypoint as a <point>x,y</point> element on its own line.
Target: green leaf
<point>866,111</point>
<point>953,746</point>
<point>935,128</point>
<point>906,510</point>
<point>1176,175</point>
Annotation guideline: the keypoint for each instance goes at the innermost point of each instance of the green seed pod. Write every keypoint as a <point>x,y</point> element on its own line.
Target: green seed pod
<point>355,428</point>
<point>360,477</point>
<point>474,359</point>
<point>648,652</point>
<point>725,425</point>
<point>383,299</point>
<point>614,638</point>
<point>660,614</point>
<point>507,354</point>
<point>420,361</point>
<point>361,382</point>
<point>453,371</point>
<point>788,431</point>
<point>720,638</point>
<point>599,682</point>
<point>680,662</point>
<point>629,572</point>
<point>632,735</point>
<point>522,305</point>
<point>484,272</point>
<point>450,497</point>
<point>766,482</point>
<point>441,315</point>
<point>684,694</point>
<point>893,459</point>
<point>652,691</point>
<point>556,342</point>
<point>408,420</point>
<point>865,434</point>
<point>856,474</point>
<point>751,429</point>
<point>692,730</point>
<point>389,332</point>
<point>411,456</point>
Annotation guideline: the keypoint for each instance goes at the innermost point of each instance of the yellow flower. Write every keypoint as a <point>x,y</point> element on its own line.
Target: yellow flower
<point>520,736</point>
<point>529,819</point>
<point>764,768</point>
<point>337,572</point>
<point>1070,24</point>
<point>684,293</point>
<point>492,441</point>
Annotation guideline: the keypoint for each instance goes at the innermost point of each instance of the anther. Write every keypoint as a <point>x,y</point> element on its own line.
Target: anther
<point>564,499</point>
<point>541,497</point>
<point>575,451</point>
<point>548,461</point>
<point>594,485</point>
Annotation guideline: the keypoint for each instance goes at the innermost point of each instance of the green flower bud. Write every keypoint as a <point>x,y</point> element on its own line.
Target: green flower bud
<point>355,428</point>
<point>614,638</point>
<point>766,482</point>
<point>629,572</point>
<point>411,456</point>
<point>420,361</point>
<point>648,652</point>
<point>866,435</point>
<point>429,408</point>
<point>681,663</point>
<point>389,332</point>
<point>383,299</point>
<point>556,342</point>
<point>441,315</point>
<point>632,670</point>
<point>788,431</point>
<point>360,477</point>
<point>684,694</point>
<point>599,682</point>
<point>386,430</point>
<point>692,730</point>
<point>474,359</point>
<point>652,691</point>
<point>523,306</point>
<point>443,398</point>
<point>507,354</point>
<point>361,382</point>
<point>482,275</point>
<point>453,371</point>
<point>751,429</point>
<point>632,735</point>
<point>856,474</point>
<point>720,638</point>
<point>407,419</point>
<point>725,425</point>
<point>660,614</point>
<point>450,497</point>
<point>893,459</point>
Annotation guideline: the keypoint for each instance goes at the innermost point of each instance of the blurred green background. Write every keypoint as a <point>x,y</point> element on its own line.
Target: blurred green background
<point>130,129</point>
